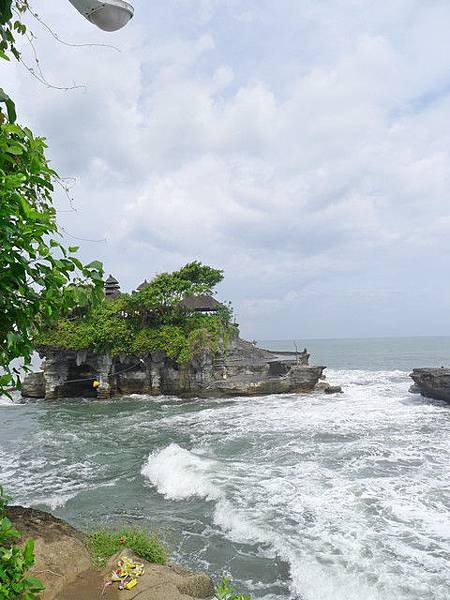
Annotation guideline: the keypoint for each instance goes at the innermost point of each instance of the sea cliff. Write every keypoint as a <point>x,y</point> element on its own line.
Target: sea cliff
<point>236,368</point>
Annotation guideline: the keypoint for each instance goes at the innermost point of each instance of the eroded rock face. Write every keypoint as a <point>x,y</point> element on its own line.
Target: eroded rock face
<point>33,385</point>
<point>239,369</point>
<point>64,565</point>
<point>60,552</point>
<point>432,383</point>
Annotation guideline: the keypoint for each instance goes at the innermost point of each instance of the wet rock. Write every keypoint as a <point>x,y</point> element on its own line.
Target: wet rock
<point>432,383</point>
<point>33,386</point>
<point>237,368</point>
<point>326,388</point>
<point>334,389</point>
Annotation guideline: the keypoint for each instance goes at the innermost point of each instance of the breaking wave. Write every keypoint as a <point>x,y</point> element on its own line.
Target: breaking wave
<point>330,487</point>
<point>302,497</point>
<point>179,474</point>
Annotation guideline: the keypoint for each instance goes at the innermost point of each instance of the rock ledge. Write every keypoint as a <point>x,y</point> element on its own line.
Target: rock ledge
<point>432,383</point>
<point>64,565</point>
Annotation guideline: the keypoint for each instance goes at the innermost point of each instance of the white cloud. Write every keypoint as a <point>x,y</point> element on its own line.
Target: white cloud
<point>301,146</point>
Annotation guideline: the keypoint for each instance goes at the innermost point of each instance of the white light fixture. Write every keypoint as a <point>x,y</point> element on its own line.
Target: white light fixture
<point>110,15</point>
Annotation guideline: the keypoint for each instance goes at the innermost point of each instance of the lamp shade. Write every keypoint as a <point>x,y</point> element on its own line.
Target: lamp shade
<point>109,15</point>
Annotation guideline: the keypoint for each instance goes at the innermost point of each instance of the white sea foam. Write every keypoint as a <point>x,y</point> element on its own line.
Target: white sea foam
<point>342,492</point>
<point>6,402</point>
<point>351,491</point>
<point>179,474</point>
<point>56,501</point>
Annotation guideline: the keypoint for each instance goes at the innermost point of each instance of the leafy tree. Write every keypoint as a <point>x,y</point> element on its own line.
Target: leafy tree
<point>15,561</point>
<point>150,320</point>
<point>158,303</point>
<point>39,278</point>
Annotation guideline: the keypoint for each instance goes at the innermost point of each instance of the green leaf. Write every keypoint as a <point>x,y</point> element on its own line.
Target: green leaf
<point>28,552</point>
<point>10,106</point>
<point>95,264</point>
<point>5,380</point>
<point>34,584</point>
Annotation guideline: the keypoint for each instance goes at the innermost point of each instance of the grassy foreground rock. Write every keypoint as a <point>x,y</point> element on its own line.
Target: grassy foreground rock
<point>64,562</point>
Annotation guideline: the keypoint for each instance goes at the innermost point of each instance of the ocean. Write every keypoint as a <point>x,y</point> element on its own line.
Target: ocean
<point>306,497</point>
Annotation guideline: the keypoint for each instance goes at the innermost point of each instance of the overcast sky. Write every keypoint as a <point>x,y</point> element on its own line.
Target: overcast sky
<point>300,145</point>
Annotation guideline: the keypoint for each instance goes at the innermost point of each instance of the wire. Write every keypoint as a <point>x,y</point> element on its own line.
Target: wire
<point>93,378</point>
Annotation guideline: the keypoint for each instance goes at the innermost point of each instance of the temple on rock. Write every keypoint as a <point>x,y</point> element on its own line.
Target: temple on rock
<point>220,366</point>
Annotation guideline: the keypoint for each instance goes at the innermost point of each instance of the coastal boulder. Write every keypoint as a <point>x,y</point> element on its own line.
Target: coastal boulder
<point>432,383</point>
<point>326,388</point>
<point>33,386</point>
<point>61,555</point>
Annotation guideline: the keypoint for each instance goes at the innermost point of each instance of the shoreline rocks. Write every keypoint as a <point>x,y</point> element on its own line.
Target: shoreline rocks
<point>64,565</point>
<point>238,368</point>
<point>33,386</point>
<point>326,388</point>
<point>432,383</point>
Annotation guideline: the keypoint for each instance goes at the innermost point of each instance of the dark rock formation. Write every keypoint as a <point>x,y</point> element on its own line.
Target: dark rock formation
<point>240,369</point>
<point>432,383</point>
<point>64,565</point>
<point>325,387</point>
<point>33,385</point>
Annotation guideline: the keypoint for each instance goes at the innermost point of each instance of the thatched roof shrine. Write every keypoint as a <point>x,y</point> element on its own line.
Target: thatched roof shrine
<point>112,288</point>
<point>200,303</point>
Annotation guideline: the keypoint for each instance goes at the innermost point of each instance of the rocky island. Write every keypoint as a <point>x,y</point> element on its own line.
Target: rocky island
<point>169,336</point>
<point>432,383</point>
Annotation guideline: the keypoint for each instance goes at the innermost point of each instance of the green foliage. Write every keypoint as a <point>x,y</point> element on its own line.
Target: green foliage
<point>147,321</point>
<point>225,591</point>
<point>8,27</point>
<point>104,544</point>
<point>168,338</point>
<point>39,278</point>
<point>15,561</point>
<point>158,303</point>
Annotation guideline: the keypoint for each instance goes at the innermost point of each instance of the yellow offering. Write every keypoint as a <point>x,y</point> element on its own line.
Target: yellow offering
<point>127,573</point>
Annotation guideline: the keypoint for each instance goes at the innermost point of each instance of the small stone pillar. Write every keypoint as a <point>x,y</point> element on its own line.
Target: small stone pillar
<point>104,368</point>
<point>157,362</point>
<point>55,376</point>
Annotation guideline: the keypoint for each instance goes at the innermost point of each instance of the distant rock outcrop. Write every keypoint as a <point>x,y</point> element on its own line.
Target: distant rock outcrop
<point>432,383</point>
<point>238,368</point>
<point>326,388</point>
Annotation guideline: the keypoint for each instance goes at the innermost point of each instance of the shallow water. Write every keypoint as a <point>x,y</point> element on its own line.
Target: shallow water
<point>312,497</point>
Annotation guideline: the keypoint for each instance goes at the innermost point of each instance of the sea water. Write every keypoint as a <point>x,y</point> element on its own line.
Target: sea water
<point>296,497</point>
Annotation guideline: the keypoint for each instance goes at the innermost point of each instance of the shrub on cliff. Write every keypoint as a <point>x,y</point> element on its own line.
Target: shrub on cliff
<point>15,562</point>
<point>149,320</point>
<point>225,591</point>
